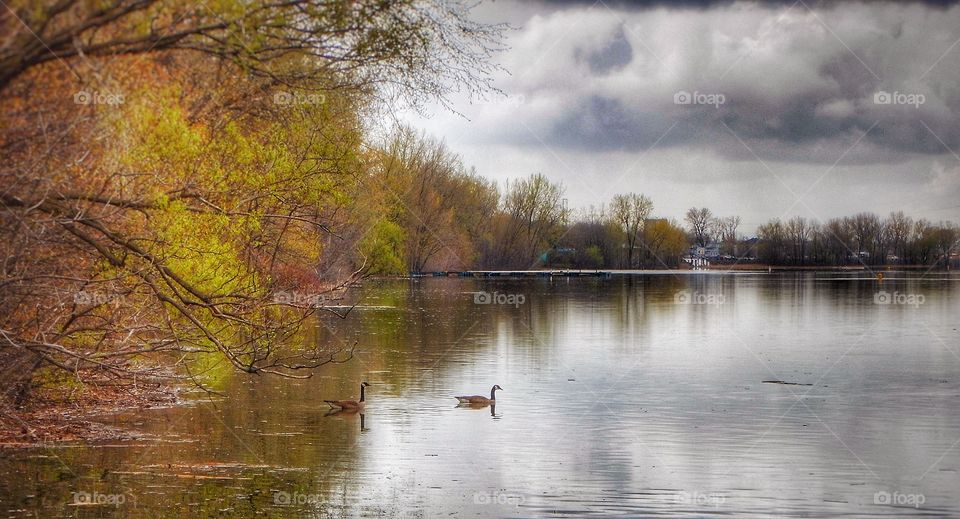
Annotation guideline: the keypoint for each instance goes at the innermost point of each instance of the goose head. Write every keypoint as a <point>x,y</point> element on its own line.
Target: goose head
<point>363,385</point>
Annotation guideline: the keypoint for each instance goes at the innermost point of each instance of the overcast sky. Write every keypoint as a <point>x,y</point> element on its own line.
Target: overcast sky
<point>760,110</point>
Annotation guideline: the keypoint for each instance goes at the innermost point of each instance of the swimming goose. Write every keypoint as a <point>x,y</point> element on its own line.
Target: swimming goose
<point>480,400</point>
<point>350,404</point>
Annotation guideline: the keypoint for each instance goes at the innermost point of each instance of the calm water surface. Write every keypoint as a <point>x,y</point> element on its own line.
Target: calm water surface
<point>639,396</point>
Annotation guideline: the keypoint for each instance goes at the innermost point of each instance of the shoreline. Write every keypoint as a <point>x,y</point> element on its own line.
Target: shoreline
<point>65,420</point>
<point>717,268</point>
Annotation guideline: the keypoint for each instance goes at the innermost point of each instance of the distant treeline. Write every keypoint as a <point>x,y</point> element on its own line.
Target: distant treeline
<point>864,238</point>
<point>438,215</point>
<point>431,213</point>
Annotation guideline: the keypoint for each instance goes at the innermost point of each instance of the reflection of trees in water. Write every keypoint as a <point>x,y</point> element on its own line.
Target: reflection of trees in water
<point>278,436</point>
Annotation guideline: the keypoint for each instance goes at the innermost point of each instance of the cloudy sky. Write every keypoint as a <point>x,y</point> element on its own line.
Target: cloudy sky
<point>757,109</point>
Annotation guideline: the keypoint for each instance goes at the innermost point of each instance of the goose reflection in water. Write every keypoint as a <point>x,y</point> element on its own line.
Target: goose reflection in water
<point>350,412</point>
<point>492,406</point>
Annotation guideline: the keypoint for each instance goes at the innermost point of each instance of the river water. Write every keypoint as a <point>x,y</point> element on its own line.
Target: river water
<point>638,396</point>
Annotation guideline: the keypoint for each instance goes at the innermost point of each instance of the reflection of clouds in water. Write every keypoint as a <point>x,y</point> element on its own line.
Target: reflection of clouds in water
<point>666,412</point>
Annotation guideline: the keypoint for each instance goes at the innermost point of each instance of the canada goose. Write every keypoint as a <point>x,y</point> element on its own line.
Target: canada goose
<point>480,400</point>
<point>350,404</point>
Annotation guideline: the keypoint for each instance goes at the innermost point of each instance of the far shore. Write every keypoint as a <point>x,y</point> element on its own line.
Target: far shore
<point>686,269</point>
<point>841,268</point>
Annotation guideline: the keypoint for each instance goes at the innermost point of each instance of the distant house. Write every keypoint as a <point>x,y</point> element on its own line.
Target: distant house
<point>710,251</point>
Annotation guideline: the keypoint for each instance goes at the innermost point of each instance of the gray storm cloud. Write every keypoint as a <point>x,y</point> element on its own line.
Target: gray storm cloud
<point>784,82</point>
<point>825,94</point>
